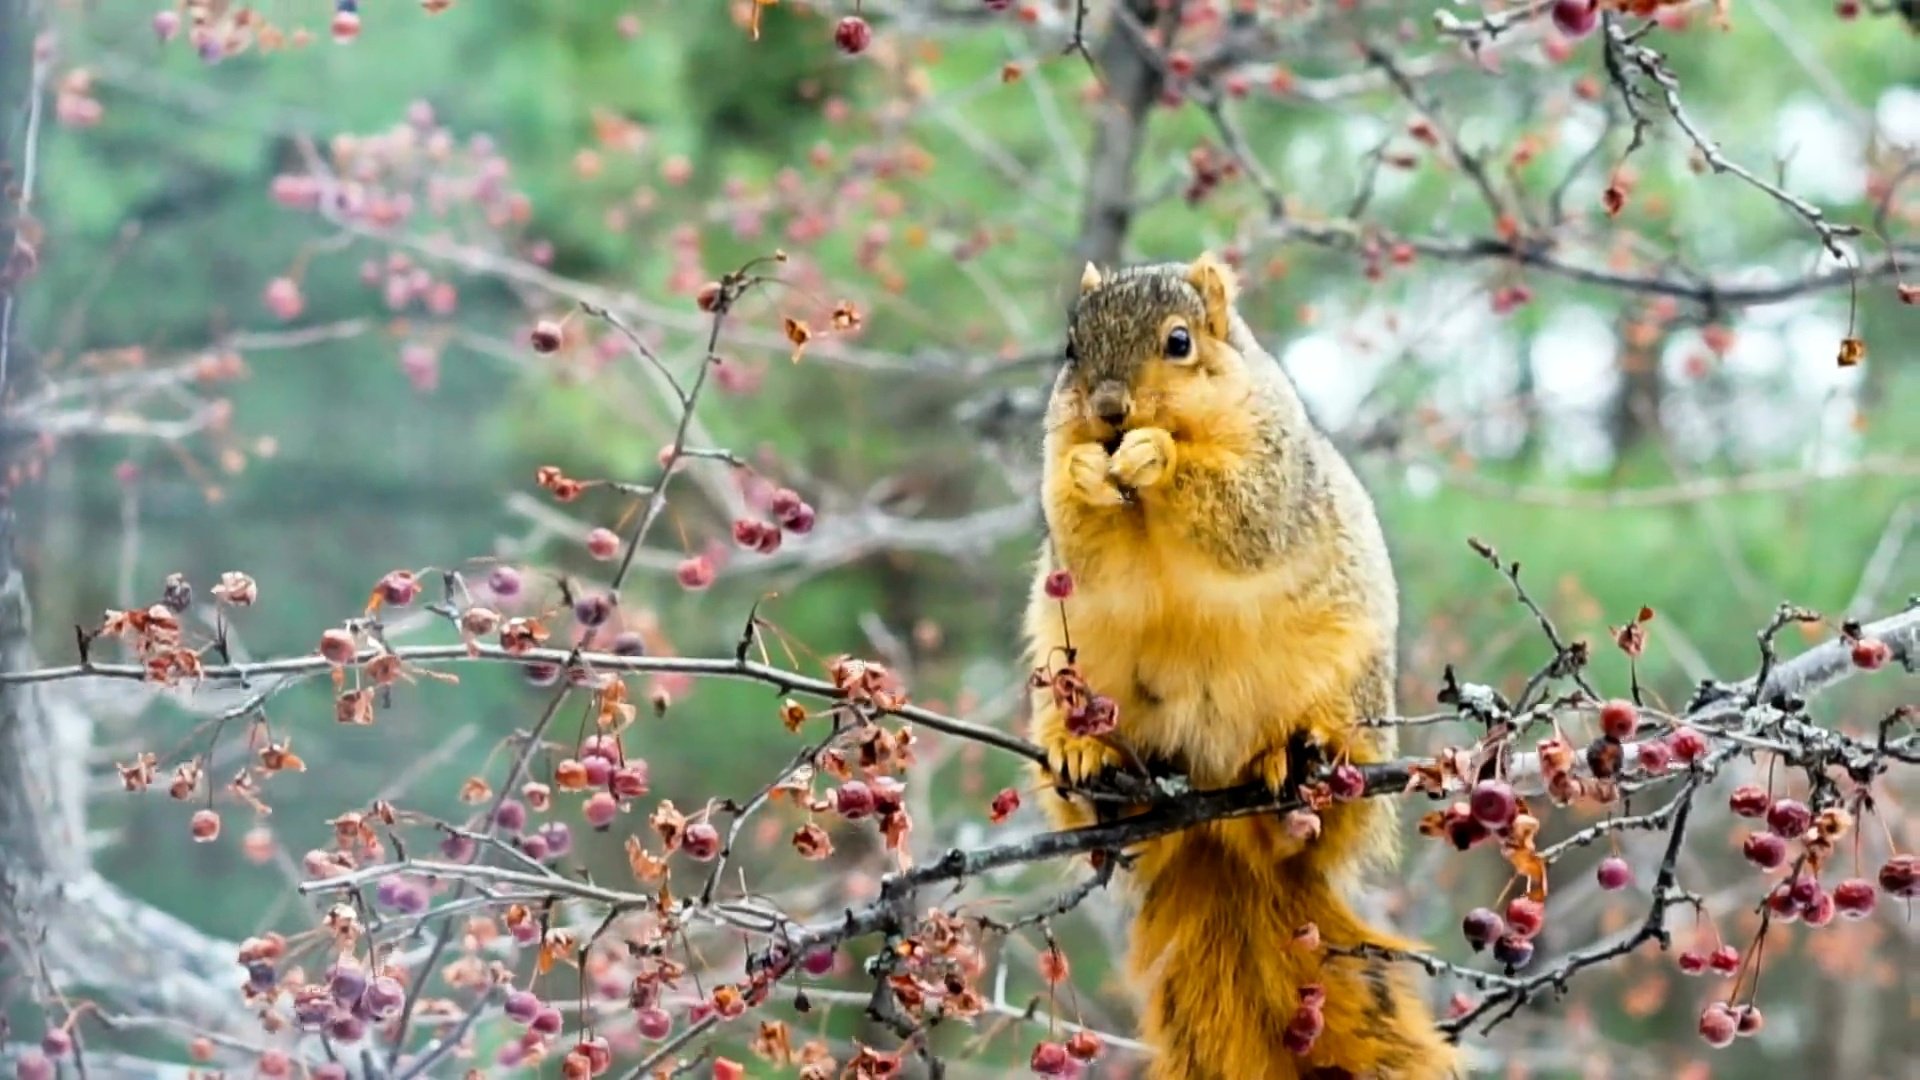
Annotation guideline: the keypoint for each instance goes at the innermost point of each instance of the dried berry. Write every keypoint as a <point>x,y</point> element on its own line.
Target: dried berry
<point>546,336</point>
<point>1481,927</point>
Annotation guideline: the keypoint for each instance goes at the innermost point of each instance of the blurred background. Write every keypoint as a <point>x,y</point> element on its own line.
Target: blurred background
<point>279,323</point>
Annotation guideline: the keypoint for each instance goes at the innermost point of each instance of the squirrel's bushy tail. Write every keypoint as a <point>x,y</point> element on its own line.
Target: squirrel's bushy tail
<point>1214,946</point>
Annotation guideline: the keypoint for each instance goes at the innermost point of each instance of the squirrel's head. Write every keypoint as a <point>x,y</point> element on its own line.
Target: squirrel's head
<point>1148,346</point>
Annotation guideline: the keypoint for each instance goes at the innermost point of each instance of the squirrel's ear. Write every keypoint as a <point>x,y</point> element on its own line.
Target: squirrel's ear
<point>1089,279</point>
<point>1218,286</point>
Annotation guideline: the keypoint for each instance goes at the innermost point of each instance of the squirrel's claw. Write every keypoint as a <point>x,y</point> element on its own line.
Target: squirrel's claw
<point>1272,769</point>
<point>1088,467</point>
<point>1144,458</point>
<point>1075,759</point>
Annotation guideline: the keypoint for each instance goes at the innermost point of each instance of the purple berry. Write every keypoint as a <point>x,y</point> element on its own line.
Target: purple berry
<point>1614,873</point>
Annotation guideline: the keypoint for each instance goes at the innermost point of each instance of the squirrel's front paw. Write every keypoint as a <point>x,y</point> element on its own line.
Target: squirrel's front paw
<point>1075,759</point>
<point>1143,459</point>
<point>1087,467</point>
<point>1273,769</point>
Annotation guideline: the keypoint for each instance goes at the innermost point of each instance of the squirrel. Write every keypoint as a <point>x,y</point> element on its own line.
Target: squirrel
<point>1232,597</point>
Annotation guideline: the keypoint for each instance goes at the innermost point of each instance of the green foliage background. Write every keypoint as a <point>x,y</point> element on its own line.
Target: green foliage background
<point>160,233</point>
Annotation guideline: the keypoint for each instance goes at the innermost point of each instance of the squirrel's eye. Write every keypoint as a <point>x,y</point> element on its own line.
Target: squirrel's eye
<point>1179,343</point>
<point>1072,356</point>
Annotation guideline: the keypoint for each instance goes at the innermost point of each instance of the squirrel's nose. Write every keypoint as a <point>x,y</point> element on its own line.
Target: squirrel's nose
<point>1111,402</point>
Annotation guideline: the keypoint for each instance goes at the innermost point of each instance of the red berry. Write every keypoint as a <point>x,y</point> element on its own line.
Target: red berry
<point>1750,800</point>
<point>603,543</point>
<point>1576,18</point>
<point>1347,782</point>
<point>1005,803</point>
<point>1820,910</point>
<point>748,533</point>
<point>1050,1059</point>
<point>1525,916</point>
<point>1619,718</point>
<point>283,298</point>
<point>1492,803</point>
<point>205,826</point>
<point>548,1021</point>
<point>1717,1025</point>
<point>1614,873</point>
<point>1900,876</point>
<point>346,26</point>
<point>1855,898</point>
<point>1765,850</point>
<point>1688,745</point>
<point>1084,1045</point>
<point>383,997</point>
<point>1747,1020</point>
<point>1789,817</point>
<point>1692,962</point>
<point>817,962</point>
<point>56,1042</point>
<point>630,781</point>
<point>1725,960</point>
<point>709,297</point>
<point>601,809</point>
<point>1654,757</point>
<point>1481,927</point>
<point>853,35</point>
<point>800,522</point>
<point>701,841</point>
<point>695,573</point>
<point>1059,585</point>
<point>854,800</point>
<point>1870,654</point>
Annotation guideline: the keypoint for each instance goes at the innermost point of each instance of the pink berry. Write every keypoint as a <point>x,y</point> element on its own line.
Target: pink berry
<point>1492,803</point>
<point>1725,960</point>
<point>1347,782</point>
<point>1820,911</point>
<point>383,997</point>
<point>853,35</point>
<point>695,573</point>
<point>34,1065</point>
<point>166,24</point>
<point>522,1006</point>
<point>748,533</point>
<point>599,769</point>
<point>1765,850</point>
<point>346,26</point>
<point>601,809</point>
<point>1481,927</point>
<point>1654,757</point>
<point>630,781</point>
<point>205,826</point>
<point>1059,585</point>
<point>504,581</point>
<point>56,1042</point>
<point>1619,718</point>
<point>1747,1020</point>
<point>1717,1025</point>
<point>701,841</point>
<point>1692,962</point>
<point>547,1021</point>
<point>854,800</point>
<point>800,522</point>
<point>511,816</point>
<point>1854,898</point>
<point>283,298</point>
<point>603,543</point>
<point>1614,873</point>
<point>1051,1059</point>
<point>654,1023</point>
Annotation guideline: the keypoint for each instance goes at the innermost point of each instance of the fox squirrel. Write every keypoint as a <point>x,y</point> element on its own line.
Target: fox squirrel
<point>1232,596</point>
